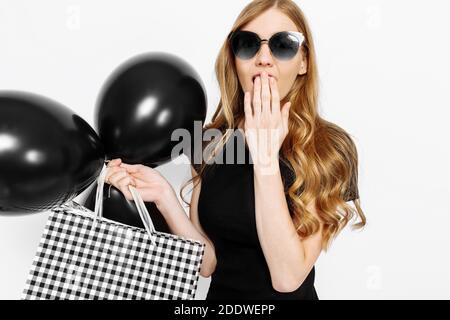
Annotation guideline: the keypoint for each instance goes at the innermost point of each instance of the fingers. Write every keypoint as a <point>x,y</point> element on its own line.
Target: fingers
<point>139,183</point>
<point>112,171</point>
<point>142,175</point>
<point>257,98</point>
<point>141,171</point>
<point>275,96</point>
<point>115,177</point>
<point>132,168</point>
<point>119,178</point>
<point>122,185</point>
<point>248,108</point>
<point>265,95</point>
<point>122,175</point>
<point>114,162</point>
<point>116,166</point>
<point>125,181</point>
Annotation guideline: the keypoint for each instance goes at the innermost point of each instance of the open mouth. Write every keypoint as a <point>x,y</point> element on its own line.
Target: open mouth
<point>254,77</point>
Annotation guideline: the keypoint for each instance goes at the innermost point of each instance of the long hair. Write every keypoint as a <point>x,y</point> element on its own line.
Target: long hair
<point>322,155</point>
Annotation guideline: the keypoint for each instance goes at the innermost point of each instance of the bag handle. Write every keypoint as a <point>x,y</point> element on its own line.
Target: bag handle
<point>142,210</point>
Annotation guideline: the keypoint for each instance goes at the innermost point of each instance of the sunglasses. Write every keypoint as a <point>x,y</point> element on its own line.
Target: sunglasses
<point>284,45</point>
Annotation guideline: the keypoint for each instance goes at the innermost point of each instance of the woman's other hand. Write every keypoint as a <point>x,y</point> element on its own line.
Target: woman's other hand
<point>150,184</point>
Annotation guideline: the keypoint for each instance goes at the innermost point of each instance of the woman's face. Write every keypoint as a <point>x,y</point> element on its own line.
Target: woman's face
<point>284,71</point>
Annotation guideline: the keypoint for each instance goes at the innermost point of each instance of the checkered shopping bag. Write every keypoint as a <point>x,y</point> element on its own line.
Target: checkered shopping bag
<point>84,256</point>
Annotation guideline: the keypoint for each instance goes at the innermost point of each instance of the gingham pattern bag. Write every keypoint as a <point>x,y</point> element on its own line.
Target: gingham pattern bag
<point>84,256</point>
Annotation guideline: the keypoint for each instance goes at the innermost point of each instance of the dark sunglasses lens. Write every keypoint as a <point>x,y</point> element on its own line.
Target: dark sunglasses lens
<point>284,45</point>
<point>244,45</point>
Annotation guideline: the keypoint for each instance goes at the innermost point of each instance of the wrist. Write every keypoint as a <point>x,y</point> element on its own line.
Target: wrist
<point>167,201</point>
<point>268,168</point>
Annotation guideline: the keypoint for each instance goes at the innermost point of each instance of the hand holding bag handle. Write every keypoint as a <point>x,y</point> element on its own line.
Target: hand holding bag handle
<point>142,210</point>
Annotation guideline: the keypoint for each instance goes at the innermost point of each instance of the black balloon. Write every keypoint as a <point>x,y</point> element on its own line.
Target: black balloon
<point>143,102</point>
<point>48,154</point>
<point>116,207</point>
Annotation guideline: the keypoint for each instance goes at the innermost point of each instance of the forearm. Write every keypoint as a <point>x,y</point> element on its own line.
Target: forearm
<point>279,240</point>
<point>180,224</point>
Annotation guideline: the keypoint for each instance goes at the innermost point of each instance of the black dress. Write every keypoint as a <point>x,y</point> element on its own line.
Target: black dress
<point>226,210</point>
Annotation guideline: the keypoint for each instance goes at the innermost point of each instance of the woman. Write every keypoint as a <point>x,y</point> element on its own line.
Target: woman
<point>264,223</point>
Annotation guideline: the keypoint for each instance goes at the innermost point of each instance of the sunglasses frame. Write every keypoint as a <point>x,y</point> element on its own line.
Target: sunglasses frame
<point>300,37</point>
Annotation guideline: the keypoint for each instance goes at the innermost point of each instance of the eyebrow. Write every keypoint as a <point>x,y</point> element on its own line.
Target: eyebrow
<point>258,33</point>
<point>270,35</point>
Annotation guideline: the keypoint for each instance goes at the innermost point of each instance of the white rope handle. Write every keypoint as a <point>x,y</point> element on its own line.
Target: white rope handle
<point>98,211</point>
<point>142,210</point>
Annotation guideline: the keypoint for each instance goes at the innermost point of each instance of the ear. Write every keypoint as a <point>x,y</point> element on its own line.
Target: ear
<point>303,66</point>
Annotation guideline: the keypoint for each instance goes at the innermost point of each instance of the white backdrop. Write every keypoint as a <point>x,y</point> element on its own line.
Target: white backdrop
<point>384,78</point>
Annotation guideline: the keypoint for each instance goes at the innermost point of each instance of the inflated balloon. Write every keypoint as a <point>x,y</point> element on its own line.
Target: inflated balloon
<point>48,154</point>
<point>116,207</point>
<point>143,102</point>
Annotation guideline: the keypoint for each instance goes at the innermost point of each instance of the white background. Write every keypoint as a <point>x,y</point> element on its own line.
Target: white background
<point>384,78</point>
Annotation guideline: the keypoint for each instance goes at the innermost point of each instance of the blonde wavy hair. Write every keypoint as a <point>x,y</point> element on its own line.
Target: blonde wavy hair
<point>322,155</point>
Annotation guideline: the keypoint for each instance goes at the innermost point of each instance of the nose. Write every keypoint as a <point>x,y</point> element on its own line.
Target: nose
<point>264,55</point>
